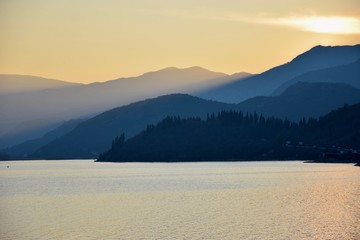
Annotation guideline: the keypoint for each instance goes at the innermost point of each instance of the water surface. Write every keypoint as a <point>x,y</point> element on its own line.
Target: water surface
<point>81,199</point>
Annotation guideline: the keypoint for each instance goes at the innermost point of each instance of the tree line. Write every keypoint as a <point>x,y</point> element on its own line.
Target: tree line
<point>232,135</point>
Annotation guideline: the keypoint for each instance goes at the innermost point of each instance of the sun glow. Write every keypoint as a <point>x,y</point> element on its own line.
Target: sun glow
<point>330,25</point>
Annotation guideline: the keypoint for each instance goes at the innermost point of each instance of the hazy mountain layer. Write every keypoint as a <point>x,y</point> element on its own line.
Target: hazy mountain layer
<point>33,112</point>
<point>266,83</point>
<point>26,148</point>
<point>21,83</point>
<point>304,100</point>
<point>29,130</point>
<point>94,135</point>
<point>348,73</point>
<point>57,105</point>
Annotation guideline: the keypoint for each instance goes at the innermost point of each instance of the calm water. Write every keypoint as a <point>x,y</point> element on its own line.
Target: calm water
<point>233,200</point>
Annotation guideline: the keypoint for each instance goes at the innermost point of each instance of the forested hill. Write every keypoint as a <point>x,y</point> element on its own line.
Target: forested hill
<point>233,135</point>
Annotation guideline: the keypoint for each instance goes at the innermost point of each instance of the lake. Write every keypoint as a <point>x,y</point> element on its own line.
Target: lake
<point>82,199</point>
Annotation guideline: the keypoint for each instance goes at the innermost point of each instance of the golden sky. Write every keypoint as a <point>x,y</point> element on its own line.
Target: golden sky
<point>99,40</point>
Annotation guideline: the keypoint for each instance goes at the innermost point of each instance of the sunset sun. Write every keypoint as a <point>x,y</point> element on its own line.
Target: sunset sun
<point>330,25</point>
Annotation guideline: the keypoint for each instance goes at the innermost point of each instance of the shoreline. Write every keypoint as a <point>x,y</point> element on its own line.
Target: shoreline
<point>215,161</point>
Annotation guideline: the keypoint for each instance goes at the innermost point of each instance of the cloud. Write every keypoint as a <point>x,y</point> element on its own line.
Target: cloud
<point>330,25</point>
<point>316,24</point>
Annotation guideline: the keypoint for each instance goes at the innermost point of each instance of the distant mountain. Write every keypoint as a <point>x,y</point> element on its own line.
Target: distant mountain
<point>28,115</point>
<point>241,75</point>
<point>93,136</point>
<point>303,100</point>
<point>22,83</point>
<point>26,148</point>
<point>220,82</point>
<point>231,136</point>
<point>267,82</point>
<point>56,105</point>
<point>29,130</point>
<point>170,78</point>
<point>348,73</point>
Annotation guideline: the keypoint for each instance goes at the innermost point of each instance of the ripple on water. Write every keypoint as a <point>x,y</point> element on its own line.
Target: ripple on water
<point>86,200</point>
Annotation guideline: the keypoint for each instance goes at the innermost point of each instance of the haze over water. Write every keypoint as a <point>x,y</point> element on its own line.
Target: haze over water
<point>238,200</point>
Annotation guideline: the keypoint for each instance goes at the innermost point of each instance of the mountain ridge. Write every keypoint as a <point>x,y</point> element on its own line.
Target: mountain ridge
<point>303,99</point>
<point>347,73</point>
<point>264,84</point>
<point>24,149</point>
<point>95,134</point>
<point>91,99</point>
<point>18,83</point>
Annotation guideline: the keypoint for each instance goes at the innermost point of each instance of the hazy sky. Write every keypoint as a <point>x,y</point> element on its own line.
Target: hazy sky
<point>88,40</point>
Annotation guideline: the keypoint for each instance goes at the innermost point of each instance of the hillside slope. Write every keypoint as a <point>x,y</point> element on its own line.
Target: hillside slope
<point>11,83</point>
<point>266,83</point>
<point>236,136</point>
<point>303,99</point>
<point>348,73</point>
<point>51,106</point>
<point>94,135</point>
